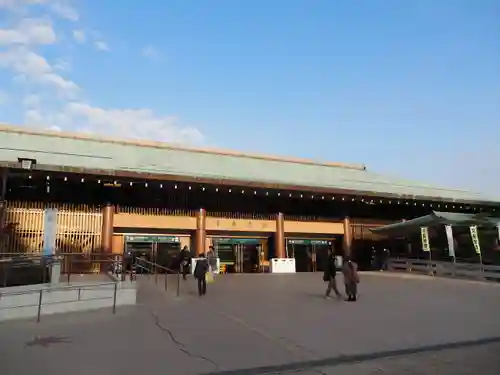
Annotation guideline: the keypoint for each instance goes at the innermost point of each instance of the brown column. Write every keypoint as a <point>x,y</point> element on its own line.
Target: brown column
<point>347,243</point>
<point>107,228</point>
<point>279,237</point>
<point>201,233</point>
<point>2,197</point>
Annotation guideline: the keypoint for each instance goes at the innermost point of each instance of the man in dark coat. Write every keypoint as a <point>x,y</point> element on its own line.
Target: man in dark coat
<point>200,273</point>
<point>185,259</point>
<point>330,274</point>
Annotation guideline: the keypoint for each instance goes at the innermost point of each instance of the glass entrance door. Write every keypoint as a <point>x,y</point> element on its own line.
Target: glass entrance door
<point>134,250</point>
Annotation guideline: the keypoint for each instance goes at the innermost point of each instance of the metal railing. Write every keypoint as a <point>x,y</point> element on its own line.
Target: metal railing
<point>153,270</point>
<point>44,290</point>
<point>71,263</point>
<point>472,271</point>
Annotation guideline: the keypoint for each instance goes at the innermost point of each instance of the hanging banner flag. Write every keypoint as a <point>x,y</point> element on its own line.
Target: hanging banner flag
<point>498,227</point>
<point>475,238</point>
<point>451,242</point>
<point>424,233</point>
<point>49,231</point>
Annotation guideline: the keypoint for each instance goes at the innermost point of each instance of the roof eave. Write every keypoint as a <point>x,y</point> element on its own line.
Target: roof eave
<point>234,182</point>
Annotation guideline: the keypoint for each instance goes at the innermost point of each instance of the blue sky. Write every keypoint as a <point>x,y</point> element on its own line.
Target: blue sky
<point>410,88</point>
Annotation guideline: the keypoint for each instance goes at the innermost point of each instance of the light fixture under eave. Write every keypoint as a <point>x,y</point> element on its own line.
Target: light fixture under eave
<point>322,197</point>
<point>267,193</point>
<point>146,184</point>
<point>290,195</point>
<point>161,186</point>
<point>175,186</point>
<point>203,188</point>
<point>254,192</point>
<point>98,181</point>
<point>189,187</point>
<point>216,190</point>
<point>279,193</point>
<point>301,196</point>
<point>243,192</point>
<point>65,178</point>
<point>229,190</point>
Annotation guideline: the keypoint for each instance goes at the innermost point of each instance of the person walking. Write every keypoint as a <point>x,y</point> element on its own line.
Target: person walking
<point>329,276</point>
<point>212,260</point>
<point>200,273</point>
<point>351,279</point>
<point>185,259</point>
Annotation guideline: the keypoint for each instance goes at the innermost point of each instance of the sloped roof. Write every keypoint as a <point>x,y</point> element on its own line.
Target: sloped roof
<point>437,218</point>
<point>81,151</point>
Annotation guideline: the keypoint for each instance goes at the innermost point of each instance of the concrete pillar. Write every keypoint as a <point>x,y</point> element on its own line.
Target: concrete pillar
<point>108,213</point>
<point>347,243</point>
<point>279,237</point>
<point>201,232</point>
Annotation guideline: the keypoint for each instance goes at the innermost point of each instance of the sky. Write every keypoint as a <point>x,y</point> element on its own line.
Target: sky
<point>408,88</point>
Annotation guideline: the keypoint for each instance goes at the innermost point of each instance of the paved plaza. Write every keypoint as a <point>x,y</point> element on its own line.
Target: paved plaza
<point>271,324</point>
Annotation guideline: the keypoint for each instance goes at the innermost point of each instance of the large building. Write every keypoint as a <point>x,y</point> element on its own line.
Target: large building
<point>115,195</point>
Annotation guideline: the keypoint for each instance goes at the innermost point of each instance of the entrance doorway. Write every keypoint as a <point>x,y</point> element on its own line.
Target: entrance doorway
<point>310,255</point>
<point>239,255</point>
<point>162,250</point>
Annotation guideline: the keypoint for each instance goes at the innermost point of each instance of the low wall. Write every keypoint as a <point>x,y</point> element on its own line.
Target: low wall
<point>24,302</point>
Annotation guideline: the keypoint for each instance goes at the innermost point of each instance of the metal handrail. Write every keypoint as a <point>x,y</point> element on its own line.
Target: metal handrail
<point>155,269</point>
<point>41,291</point>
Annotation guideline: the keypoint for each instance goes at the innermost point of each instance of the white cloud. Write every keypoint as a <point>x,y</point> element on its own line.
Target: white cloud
<point>29,31</point>
<point>64,9</point>
<point>43,77</point>
<point>79,36</point>
<point>62,65</point>
<point>32,66</point>
<point>101,46</point>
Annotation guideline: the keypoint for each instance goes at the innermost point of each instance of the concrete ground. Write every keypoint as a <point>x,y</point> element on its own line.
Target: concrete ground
<point>269,324</point>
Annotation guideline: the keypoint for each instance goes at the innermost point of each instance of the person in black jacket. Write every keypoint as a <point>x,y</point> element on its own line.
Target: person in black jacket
<point>185,259</point>
<point>329,276</point>
<point>200,273</point>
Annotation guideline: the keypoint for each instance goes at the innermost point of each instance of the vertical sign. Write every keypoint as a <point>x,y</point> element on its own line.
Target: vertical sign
<point>49,231</point>
<point>424,233</point>
<point>451,242</point>
<point>498,228</point>
<point>475,239</point>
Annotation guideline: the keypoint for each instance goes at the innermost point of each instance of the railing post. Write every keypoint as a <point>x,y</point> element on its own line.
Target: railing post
<point>178,284</point>
<point>156,273</point>
<point>39,313</point>
<point>6,273</point>
<point>68,268</point>
<point>166,280</point>
<point>114,298</point>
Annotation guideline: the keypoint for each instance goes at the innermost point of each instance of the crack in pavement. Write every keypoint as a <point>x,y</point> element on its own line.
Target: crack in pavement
<point>182,347</point>
<point>283,342</point>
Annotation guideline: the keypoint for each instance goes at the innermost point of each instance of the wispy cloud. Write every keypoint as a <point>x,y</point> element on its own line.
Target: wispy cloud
<point>101,46</point>
<point>53,99</point>
<point>79,36</point>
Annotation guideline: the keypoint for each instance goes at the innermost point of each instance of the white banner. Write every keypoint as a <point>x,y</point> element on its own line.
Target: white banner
<point>451,242</point>
<point>475,238</point>
<point>424,233</point>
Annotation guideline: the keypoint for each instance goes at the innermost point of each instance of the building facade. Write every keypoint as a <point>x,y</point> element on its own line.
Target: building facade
<point>115,196</point>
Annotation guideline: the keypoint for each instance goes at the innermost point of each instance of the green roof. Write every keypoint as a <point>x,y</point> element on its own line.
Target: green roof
<point>437,218</point>
<point>84,152</point>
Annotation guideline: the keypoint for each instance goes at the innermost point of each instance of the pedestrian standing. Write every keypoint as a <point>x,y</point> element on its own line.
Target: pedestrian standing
<point>200,273</point>
<point>351,279</point>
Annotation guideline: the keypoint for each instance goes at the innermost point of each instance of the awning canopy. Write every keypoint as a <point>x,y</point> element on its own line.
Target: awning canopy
<point>435,219</point>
